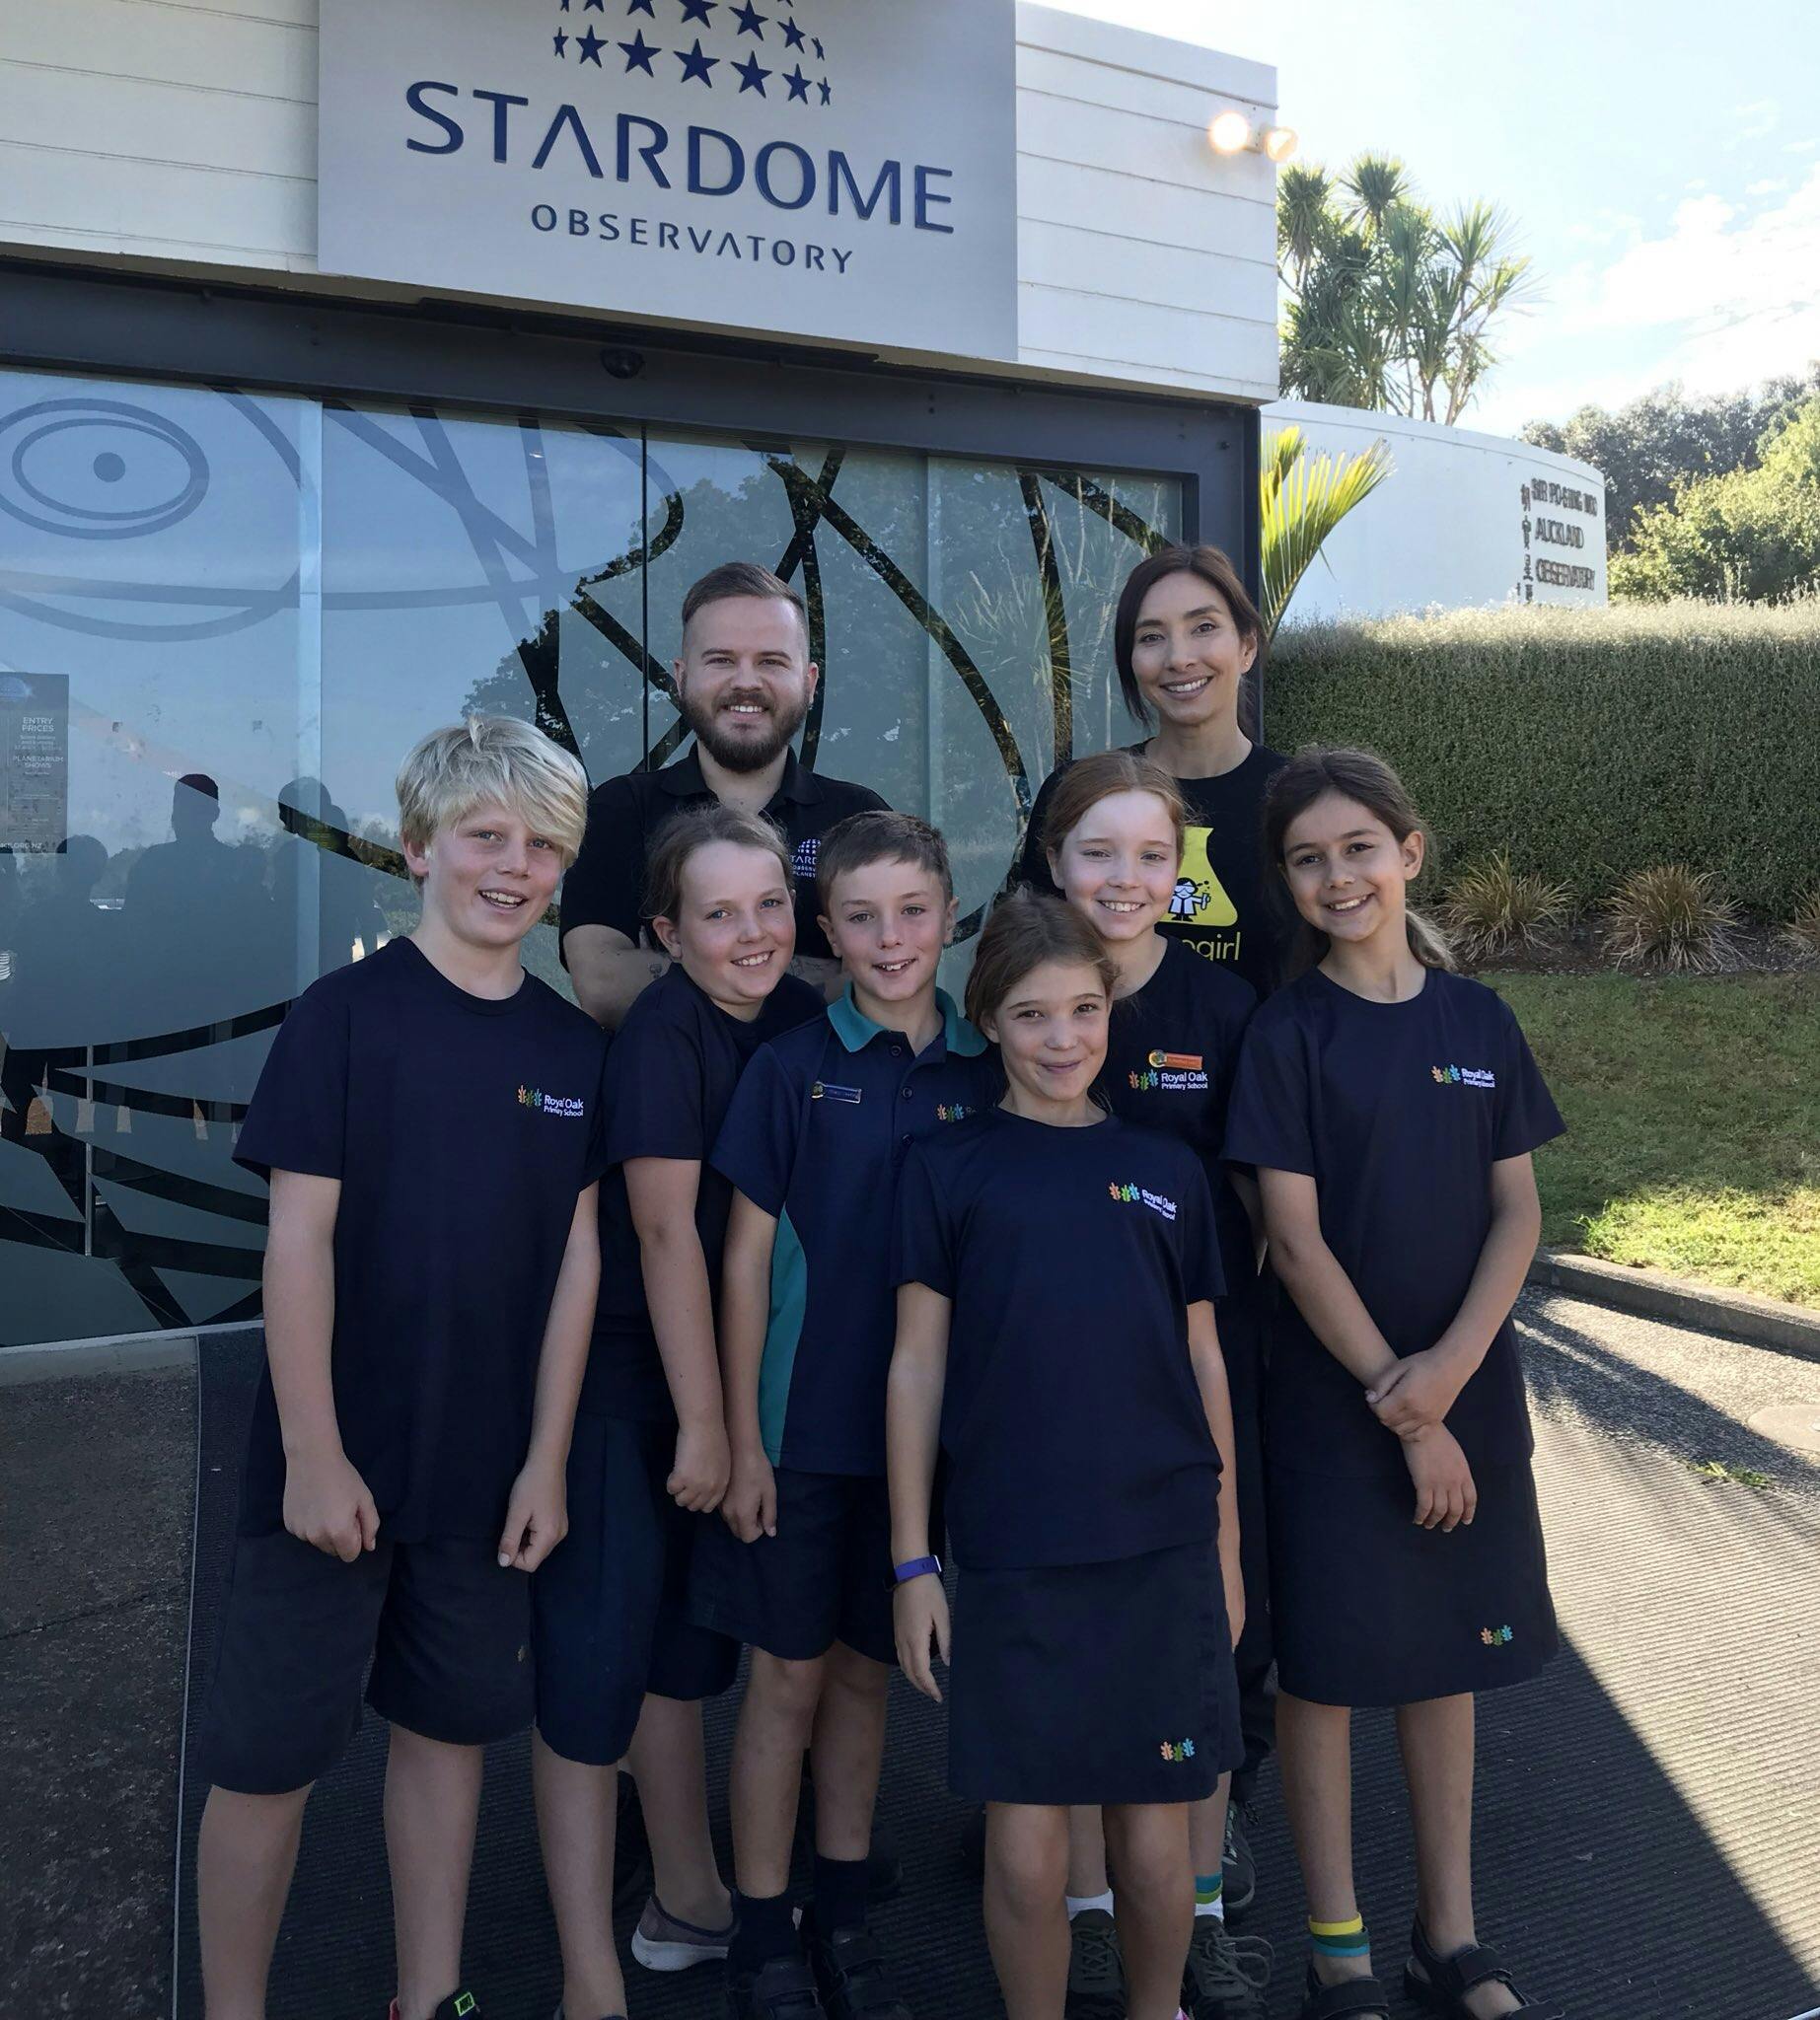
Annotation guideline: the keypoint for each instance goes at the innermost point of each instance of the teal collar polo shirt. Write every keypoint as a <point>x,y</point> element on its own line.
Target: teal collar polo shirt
<point>816,1136</point>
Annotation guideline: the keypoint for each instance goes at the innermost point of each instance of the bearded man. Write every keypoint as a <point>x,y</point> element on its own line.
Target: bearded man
<point>744,683</point>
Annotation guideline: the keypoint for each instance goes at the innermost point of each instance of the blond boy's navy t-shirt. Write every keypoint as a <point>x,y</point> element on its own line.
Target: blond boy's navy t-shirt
<point>462,1130</point>
<point>670,1075</point>
<point>1398,1111</point>
<point>1070,1412</point>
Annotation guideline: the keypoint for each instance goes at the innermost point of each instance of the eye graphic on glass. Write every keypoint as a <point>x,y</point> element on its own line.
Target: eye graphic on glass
<point>99,469</point>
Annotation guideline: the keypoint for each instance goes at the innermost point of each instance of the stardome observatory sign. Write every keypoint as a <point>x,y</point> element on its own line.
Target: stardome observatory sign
<point>835,168</point>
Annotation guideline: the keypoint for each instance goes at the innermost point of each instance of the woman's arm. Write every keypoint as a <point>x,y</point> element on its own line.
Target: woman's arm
<point>537,1515</point>
<point>750,1509</point>
<point>1209,1361</point>
<point>661,1191</point>
<point>912,1431</point>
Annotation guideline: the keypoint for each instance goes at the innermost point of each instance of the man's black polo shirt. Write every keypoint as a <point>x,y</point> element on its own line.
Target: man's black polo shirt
<point>604,886</point>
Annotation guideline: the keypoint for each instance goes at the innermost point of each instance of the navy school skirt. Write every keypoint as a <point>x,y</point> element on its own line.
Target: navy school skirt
<point>1106,1682</point>
<point>1366,1609</point>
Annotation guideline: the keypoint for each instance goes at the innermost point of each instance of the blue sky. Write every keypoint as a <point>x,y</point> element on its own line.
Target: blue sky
<point>1660,164</point>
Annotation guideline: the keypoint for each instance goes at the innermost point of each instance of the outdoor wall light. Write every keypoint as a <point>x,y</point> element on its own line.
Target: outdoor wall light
<point>1231,132</point>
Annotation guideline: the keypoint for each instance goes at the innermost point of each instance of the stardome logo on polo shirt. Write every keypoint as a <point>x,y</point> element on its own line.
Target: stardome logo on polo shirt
<point>1464,1076</point>
<point>570,1104</point>
<point>1138,1196</point>
<point>1171,1073</point>
<point>808,854</point>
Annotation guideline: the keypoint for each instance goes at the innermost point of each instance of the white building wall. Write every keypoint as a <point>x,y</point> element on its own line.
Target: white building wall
<point>182,138</point>
<point>1446,530</point>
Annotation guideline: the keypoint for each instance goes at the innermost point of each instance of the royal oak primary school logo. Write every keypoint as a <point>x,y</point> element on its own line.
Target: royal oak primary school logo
<point>1136,1195</point>
<point>609,78</point>
<point>1464,1076</point>
<point>570,1104</point>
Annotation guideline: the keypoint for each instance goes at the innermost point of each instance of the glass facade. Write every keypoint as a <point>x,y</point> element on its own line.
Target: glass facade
<point>224,617</point>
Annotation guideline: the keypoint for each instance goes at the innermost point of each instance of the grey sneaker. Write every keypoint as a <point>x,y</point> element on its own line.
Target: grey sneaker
<point>1226,1975</point>
<point>1238,1870</point>
<point>661,1942</point>
<point>1096,1970</point>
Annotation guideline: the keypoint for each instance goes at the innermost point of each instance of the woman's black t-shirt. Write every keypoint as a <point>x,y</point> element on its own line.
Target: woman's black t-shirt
<point>1398,1111</point>
<point>1225,906</point>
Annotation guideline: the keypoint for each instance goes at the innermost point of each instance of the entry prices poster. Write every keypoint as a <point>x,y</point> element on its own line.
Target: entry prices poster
<point>839,168</point>
<point>33,760</point>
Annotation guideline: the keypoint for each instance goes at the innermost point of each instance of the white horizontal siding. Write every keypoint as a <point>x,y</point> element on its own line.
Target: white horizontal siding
<point>183,134</point>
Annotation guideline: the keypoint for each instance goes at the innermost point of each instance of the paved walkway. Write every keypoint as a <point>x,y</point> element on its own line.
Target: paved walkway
<point>1649,1812</point>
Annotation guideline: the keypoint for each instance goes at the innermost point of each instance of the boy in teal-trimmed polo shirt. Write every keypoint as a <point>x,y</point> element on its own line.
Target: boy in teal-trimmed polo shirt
<point>813,1142</point>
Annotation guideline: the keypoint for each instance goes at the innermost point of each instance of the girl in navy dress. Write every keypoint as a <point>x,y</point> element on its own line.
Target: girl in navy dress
<point>1114,846</point>
<point>1056,1271</point>
<point>1390,1108</point>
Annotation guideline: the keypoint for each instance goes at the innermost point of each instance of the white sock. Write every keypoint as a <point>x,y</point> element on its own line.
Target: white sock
<point>1216,1909</point>
<point>1078,1902</point>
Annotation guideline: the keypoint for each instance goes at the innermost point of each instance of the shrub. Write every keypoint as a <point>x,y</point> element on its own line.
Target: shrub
<point>1803,933</point>
<point>1492,909</point>
<point>1671,916</point>
<point>1586,744</point>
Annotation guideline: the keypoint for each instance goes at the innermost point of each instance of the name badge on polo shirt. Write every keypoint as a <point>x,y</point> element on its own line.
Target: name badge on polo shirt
<point>826,1090</point>
<point>1171,1073</point>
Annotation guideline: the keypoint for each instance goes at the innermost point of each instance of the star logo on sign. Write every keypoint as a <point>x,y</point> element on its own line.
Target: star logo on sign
<point>641,7</point>
<point>562,42</point>
<point>698,10</point>
<point>595,6</point>
<point>827,95</point>
<point>798,83</point>
<point>750,20</point>
<point>793,36</point>
<point>695,64</point>
<point>752,77</point>
<point>638,54</point>
<point>590,47</point>
<point>820,55</point>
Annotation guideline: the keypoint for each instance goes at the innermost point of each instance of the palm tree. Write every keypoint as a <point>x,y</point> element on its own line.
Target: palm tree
<point>1387,305</point>
<point>1301,503</point>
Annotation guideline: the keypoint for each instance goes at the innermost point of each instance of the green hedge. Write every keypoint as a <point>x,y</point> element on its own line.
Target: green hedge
<point>1586,743</point>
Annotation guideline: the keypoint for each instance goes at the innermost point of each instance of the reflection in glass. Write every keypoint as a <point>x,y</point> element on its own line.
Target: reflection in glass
<point>223,618</point>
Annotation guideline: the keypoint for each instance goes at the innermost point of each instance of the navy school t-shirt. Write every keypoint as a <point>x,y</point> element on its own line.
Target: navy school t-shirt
<point>462,1130</point>
<point>1172,1048</point>
<point>605,885</point>
<point>1227,906</point>
<point>670,1075</point>
<point>1398,1111</point>
<point>816,1138</point>
<point>1071,1414</point>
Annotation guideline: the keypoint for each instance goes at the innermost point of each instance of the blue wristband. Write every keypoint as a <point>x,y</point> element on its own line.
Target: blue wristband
<point>917,1567</point>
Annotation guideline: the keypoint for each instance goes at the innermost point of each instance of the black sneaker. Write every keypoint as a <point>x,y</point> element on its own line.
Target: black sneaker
<point>1238,1871</point>
<point>1096,1970</point>
<point>1225,1976</point>
<point>782,1988</point>
<point>850,1968</point>
<point>457,2006</point>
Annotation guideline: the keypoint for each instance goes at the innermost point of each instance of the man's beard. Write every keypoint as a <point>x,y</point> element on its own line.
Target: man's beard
<point>742,753</point>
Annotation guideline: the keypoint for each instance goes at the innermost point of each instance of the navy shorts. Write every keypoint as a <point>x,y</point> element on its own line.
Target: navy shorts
<point>824,1577</point>
<point>1093,1682</point>
<point>446,1631</point>
<point>607,1605</point>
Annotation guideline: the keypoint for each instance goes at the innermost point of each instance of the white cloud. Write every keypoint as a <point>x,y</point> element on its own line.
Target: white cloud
<point>1727,296</point>
<point>1769,186</point>
<point>1755,120</point>
<point>1801,145</point>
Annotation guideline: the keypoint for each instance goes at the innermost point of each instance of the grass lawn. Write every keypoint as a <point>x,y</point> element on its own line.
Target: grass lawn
<point>1692,1107</point>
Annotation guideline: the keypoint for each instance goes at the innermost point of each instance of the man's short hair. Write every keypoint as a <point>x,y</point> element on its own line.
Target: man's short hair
<point>741,578</point>
<point>879,836</point>
<point>492,760</point>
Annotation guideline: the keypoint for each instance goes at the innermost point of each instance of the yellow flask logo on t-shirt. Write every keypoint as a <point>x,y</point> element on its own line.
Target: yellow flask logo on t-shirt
<point>1201,898</point>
